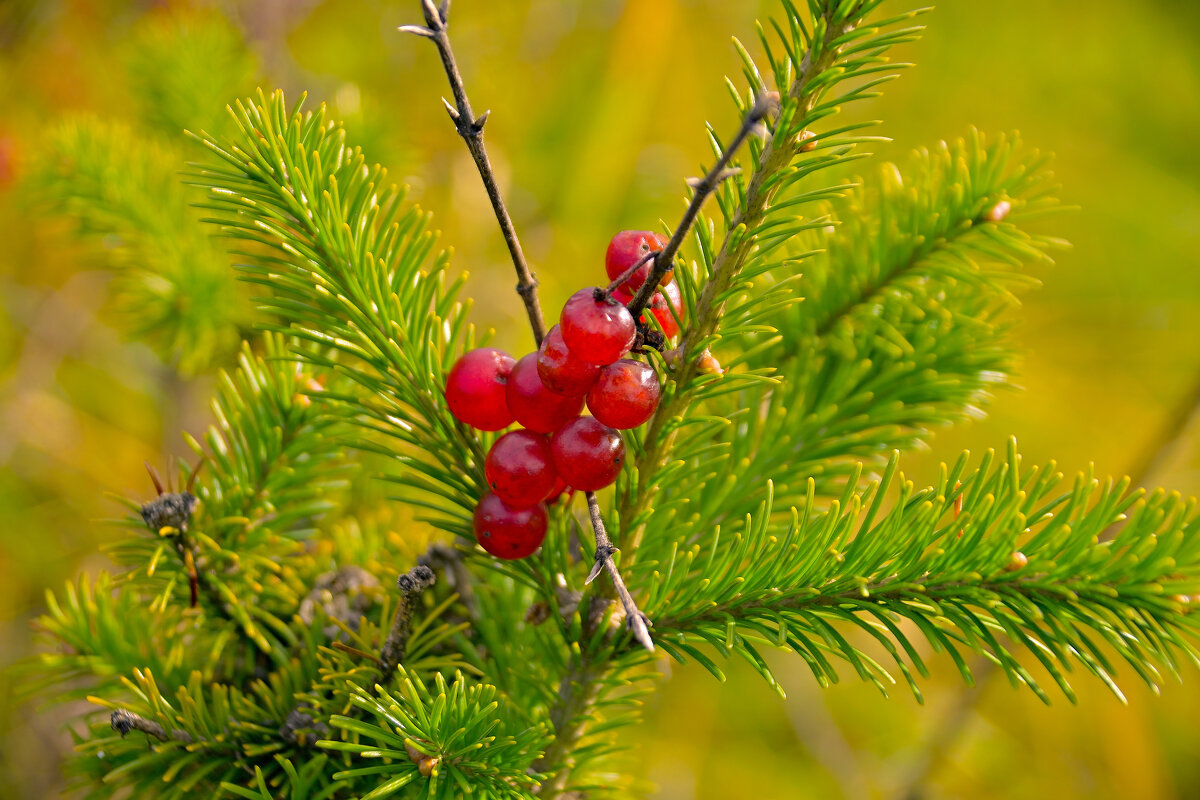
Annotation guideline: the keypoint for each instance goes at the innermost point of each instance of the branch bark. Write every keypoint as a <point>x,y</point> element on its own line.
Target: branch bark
<point>470,128</point>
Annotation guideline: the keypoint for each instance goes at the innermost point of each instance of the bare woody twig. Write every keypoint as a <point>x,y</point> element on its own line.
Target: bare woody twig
<point>664,260</point>
<point>470,128</point>
<point>125,722</point>
<point>604,561</point>
<point>411,584</point>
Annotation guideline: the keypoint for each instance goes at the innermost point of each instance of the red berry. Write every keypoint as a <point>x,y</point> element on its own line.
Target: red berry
<point>535,406</point>
<point>508,532</point>
<point>625,249</point>
<point>520,468</point>
<point>475,389</point>
<point>659,308</point>
<point>625,395</point>
<point>560,371</point>
<point>596,331</point>
<point>588,454</point>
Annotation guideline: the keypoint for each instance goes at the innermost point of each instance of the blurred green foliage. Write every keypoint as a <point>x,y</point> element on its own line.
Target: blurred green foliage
<point>599,108</point>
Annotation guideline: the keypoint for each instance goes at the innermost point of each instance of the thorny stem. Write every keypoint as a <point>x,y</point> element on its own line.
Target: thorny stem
<point>664,260</point>
<point>659,438</point>
<point>579,691</point>
<point>604,560</point>
<point>411,584</point>
<point>470,128</point>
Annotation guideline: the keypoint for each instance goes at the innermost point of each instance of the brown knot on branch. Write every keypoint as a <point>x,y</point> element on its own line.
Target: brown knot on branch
<point>125,722</point>
<point>411,585</point>
<point>639,624</point>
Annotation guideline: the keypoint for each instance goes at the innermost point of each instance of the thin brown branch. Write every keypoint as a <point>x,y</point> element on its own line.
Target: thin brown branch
<point>470,128</point>
<point>638,622</point>
<point>411,585</point>
<point>664,260</point>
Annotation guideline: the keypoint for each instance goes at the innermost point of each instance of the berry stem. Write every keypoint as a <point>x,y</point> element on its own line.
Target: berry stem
<point>616,282</point>
<point>664,260</point>
<point>604,561</point>
<point>470,128</point>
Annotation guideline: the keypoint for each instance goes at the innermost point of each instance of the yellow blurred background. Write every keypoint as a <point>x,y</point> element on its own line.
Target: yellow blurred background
<point>598,114</point>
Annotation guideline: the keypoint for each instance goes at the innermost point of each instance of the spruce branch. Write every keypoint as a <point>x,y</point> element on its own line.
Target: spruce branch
<point>470,128</point>
<point>745,208</point>
<point>930,756</point>
<point>1020,568</point>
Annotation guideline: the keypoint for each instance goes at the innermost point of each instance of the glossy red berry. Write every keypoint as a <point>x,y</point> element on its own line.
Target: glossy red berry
<point>625,395</point>
<point>596,331</point>
<point>508,532</point>
<point>625,250</point>
<point>535,406</point>
<point>588,454</point>
<point>560,370</point>
<point>659,308</point>
<point>476,387</point>
<point>520,468</point>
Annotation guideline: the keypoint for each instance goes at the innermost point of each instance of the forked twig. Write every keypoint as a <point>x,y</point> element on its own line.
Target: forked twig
<point>638,623</point>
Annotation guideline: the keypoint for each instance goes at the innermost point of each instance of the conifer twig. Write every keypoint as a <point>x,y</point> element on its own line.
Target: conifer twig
<point>931,754</point>
<point>470,128</point>
<point>728,261</point>
<point>411,584</point>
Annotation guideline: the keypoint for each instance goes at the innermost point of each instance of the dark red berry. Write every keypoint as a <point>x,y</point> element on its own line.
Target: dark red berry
<point>520,468</point>
<point>625,249</point>
<point>561,372</point>
<point>508,532</point>
<point>476,387</point>
<point>659,308</point>
<point>596,331</point>
<point>625,395</point>
<point>535,406</point>
<point>588,454</point>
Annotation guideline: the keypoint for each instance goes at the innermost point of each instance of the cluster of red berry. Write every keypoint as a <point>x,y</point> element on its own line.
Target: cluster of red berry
<point>580,360</point>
